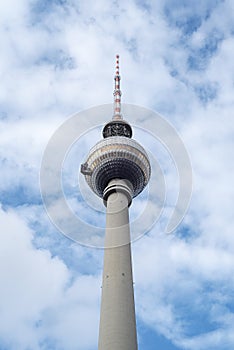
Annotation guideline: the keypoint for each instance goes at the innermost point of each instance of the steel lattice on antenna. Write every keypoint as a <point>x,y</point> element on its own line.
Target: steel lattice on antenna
<point>117,93</point>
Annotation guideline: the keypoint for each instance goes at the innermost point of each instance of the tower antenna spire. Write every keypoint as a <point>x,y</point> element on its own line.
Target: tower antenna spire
<point>117,93</point>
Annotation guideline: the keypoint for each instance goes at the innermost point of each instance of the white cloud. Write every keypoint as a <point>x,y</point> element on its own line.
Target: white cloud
<point>38,300</point>
<point>30,282</point>
<point>178,283</point>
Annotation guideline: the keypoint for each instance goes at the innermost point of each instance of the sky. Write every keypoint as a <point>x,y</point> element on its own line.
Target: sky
<point>57,59</point>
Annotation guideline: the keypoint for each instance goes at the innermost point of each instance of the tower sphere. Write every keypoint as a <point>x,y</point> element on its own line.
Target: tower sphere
<point>116,157</point>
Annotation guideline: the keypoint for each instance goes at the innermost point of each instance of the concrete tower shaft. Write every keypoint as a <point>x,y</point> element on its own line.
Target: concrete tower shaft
<point>117,321</point>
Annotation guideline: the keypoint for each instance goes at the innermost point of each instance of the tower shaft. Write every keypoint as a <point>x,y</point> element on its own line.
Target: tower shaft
<point>117,321</point>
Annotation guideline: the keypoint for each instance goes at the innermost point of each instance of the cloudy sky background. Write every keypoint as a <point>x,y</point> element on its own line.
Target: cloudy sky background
<point>56,59</point>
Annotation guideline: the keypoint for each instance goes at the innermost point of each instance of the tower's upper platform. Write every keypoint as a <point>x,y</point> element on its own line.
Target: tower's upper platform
<point>117,156</point>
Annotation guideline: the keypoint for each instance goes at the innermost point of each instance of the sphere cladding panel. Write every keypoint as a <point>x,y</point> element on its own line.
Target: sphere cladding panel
<point>117,157</point>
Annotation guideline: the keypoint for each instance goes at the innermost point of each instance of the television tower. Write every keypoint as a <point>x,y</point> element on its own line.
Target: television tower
<point>117,169</point>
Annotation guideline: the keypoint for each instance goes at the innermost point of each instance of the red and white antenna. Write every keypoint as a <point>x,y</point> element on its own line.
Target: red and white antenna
<point>117,93</point>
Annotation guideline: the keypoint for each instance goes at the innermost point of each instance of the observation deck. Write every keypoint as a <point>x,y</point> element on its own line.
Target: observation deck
<point>116,157</point>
